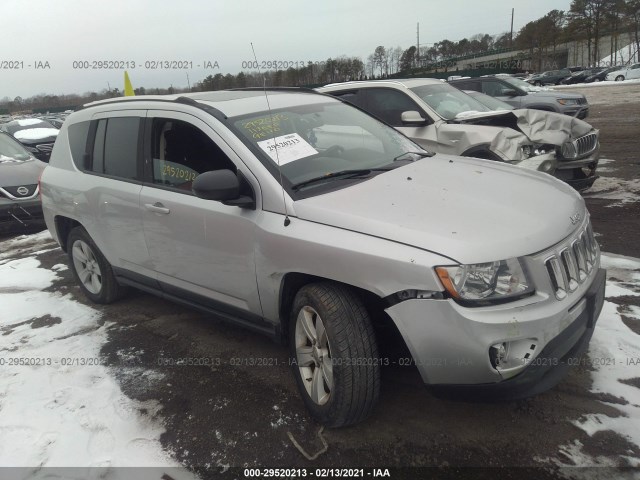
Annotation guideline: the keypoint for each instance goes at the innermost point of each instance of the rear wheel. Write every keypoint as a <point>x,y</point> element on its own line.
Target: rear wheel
<point>90,269</point>
<point>334,354</point>
<point>619,78</point>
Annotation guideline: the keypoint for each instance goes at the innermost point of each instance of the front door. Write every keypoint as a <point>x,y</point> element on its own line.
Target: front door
<point>200,249</point>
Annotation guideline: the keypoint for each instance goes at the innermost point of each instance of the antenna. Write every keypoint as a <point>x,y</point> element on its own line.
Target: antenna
<point>287,221</point>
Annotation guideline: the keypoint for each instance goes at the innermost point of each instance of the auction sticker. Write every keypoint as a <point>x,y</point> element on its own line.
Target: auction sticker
<point>287,148</point>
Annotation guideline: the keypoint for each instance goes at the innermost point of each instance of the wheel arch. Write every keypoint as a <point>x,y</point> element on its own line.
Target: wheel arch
<point>63,226</point>
<point>389,339</point>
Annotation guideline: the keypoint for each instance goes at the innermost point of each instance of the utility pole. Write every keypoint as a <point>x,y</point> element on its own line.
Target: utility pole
<point>418,46</point>
<point>511,36</point>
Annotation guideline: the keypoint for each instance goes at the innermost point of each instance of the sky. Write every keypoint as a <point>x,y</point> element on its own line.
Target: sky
<point>44,38</point>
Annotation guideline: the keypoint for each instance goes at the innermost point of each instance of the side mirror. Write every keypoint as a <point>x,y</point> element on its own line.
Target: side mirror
<point>222,186</point>
<point>510,93</point>
<point>412,118</point>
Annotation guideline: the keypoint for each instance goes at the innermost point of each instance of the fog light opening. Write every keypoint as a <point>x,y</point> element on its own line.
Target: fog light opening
<point>498,354</point>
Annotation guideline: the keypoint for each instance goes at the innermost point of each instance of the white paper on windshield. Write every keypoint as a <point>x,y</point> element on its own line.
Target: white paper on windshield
<point>290,147</point>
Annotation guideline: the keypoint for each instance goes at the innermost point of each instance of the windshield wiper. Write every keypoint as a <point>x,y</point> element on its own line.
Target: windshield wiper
<point>420,154</point>
<point>340,175</point>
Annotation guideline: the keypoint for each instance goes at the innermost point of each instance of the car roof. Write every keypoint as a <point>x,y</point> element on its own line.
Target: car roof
<point>400,82</point>
<point>229,103</point>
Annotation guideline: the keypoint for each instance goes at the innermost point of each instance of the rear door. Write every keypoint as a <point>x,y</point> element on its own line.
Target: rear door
<point>113,186</point>
<point>202,250</point>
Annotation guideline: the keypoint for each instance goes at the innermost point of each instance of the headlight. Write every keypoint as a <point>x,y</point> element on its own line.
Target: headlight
<point>567,101</point>
<point>486,283</point>
<point>536,149</point>
<point>569,150</point>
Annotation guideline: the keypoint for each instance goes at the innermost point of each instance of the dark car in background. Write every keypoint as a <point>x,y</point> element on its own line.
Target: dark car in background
<point>581,76</point>
<point>490,102</point>
<point>36,135</point>
<point>521,94</point>
<point>20,208</point>
<point>601,75</point>
<point>551,77</point>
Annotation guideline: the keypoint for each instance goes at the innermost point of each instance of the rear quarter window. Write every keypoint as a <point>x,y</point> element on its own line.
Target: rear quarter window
<point>78,133</point>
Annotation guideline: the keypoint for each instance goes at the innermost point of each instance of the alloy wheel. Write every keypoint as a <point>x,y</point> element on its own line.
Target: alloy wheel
<point>87,267</point>
<point>313,355</point>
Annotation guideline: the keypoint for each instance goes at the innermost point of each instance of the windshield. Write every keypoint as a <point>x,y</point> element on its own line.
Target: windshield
<point>491,102</point>
<point>11,151</point>
<point>522,85</point>
<point>26,124</point>
<point>320,140</point>
<point>448,101</point>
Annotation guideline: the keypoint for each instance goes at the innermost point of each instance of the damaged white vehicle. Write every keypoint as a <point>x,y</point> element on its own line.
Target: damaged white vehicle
<point>443,119</point>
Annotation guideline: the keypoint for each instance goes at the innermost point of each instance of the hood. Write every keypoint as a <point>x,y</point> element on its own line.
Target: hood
<point>536,125</point>
<point>466,209</point>
<point>18,173</point>
<point>36,135</point>
<point>555,94</point>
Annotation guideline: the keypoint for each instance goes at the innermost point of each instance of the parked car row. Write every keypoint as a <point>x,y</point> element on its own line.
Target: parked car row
<point>298,215</point>
<point>574,75</point>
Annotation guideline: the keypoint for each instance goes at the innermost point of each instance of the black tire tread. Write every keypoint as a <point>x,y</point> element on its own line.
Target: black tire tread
<point>355,340</point>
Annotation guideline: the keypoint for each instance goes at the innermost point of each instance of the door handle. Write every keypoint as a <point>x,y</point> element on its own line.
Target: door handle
<point>157,208</point>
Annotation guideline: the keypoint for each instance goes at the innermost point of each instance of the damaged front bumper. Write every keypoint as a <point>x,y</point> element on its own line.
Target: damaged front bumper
<point>22,215</point>
<point>580,173</point>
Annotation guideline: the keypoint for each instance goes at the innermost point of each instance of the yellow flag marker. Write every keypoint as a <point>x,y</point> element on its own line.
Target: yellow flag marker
<point>128,89</point>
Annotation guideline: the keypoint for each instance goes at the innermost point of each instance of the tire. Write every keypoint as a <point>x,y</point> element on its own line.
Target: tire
<point>347,392</point>
<point>90,269</point>
<point>620,78</point>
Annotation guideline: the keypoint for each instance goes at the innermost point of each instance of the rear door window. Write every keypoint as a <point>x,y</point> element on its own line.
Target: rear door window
<point>116,146</point>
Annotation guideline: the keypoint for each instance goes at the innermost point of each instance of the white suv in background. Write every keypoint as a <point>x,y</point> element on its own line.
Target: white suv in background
<point>625,73</point>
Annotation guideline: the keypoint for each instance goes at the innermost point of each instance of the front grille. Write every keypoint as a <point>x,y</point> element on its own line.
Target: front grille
<point>19,191</point>
<point>572,265</point>
<point>580,147</point>
<point>45,147</point>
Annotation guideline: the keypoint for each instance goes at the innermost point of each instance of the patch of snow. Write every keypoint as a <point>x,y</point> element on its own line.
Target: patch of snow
<point>23,122</point>
<point>614,354</point>
<point>59,404</point>
<point>24,274</point>
<point>36,133</point>
<point>612,188</point>
<point>606,83</point>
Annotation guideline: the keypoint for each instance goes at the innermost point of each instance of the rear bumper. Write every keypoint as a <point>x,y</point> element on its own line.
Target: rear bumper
<point>20,215</point>
<point>551,365</point>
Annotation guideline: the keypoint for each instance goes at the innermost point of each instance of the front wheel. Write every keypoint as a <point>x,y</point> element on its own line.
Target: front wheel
<point>334,354</point>
<point>619,78</point>
<point>90,269</point>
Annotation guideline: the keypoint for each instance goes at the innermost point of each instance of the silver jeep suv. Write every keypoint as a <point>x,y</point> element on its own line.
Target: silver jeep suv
<point>302,217</point>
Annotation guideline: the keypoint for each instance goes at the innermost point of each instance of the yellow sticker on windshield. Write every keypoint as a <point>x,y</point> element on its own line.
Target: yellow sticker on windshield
<point>265,127</point>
